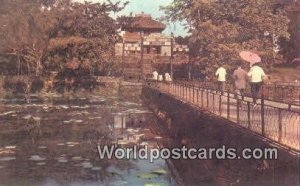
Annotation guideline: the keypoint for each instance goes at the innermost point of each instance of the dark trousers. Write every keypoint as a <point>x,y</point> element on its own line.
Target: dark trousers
<point>255,88</point>
<point>221,86</point>
<point>240,92</point>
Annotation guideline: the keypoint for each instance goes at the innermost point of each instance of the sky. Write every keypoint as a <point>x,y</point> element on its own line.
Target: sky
<point>150,7</point>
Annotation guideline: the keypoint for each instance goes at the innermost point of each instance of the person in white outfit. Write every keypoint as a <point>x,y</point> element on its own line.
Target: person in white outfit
<point>256,75</point>
<point>155,75</point>
<point>160,78</point>
<point>168,77</point>
<point>221,74</point>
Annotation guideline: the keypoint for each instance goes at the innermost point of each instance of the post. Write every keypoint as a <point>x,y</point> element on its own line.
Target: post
<point>220,105</point>
<point>202,104</point>
<point>228,105</point>
<point>182,91</point>
<point>197,97</point>
<point>189,69</point>
<point>279,125</point>
<point>213,103</point>
<point>193,94</point>
<point>262,113</point>
<point>248,114</point>
<point>171,57</point>
<point>238,111</point>
<point>187,94</point>
<point>207,99</point>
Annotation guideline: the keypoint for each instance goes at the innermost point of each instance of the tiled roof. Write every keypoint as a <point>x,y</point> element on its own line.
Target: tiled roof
<point>146,22</point>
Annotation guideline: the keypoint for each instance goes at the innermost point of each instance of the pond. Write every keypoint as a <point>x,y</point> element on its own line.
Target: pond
<point>56,143</point>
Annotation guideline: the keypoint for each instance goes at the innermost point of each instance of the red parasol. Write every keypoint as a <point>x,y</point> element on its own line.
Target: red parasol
<point>250,57</point>
<point>72,65</point>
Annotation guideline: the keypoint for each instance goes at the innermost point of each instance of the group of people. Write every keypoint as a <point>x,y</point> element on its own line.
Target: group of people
<point>255,76</point>
<point>158,77</point>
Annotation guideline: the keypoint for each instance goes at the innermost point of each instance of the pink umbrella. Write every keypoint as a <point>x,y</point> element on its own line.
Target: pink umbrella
<point>73,65</point>
<point>250,57</point>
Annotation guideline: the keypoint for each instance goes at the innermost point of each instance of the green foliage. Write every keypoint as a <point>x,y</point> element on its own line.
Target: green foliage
<point>221,29</point>
<point>43,35</point>
<point>85,31</point>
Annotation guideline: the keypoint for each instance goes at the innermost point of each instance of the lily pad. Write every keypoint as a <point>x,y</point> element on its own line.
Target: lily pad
<point>69,121</point>
<point>154,184</point>
<point>96,168</point>
<point>27,117</point>
<point>42,147</point>
<point>72,143</point>
<point>6,151</point>
<point>76,158</point>
<point>91,118</point>
<point>11,147</point>
<point>78,121</point>
<point>36,158</point>
<point>160,171</point>
<point>123,142</point>
<point>41,163</point>
<point>64,107</point>
<point>86,165</point>
<point>119,183</point>
<point>8,113</point>
<point>147,176</point>
<point>7,158</point>
<point>62,160</point>
<point>36,118</point>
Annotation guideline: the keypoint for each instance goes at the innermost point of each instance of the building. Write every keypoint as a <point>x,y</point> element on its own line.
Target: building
<point>144,48</point>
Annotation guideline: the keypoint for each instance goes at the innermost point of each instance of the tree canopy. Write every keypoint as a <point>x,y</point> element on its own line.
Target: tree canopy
<point>43,35</point>
<point>220,29</point>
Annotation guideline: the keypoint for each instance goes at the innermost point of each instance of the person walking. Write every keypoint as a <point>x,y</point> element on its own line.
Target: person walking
<point>155,75</point>
<point>240,80</point>
<point>256,75</point>
<point>221,74</point>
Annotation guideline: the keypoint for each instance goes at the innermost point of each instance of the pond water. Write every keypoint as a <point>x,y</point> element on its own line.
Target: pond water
<point>56,143</point>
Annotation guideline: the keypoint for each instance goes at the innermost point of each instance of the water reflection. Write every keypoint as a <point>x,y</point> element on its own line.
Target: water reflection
<point>56,143</point>
<point>119,121</point>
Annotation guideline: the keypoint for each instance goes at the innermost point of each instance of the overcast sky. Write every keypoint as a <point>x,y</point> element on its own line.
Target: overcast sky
<point>150,7</point>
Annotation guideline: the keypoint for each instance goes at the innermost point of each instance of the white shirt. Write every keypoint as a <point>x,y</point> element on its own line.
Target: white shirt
<point>168,77</point>
<point>155,75</point>
<point>221,73</point>
<point>160,77</point>
<point>256,74</point>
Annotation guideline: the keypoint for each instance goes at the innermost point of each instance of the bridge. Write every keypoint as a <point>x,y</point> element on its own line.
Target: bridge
<point>275,120</point>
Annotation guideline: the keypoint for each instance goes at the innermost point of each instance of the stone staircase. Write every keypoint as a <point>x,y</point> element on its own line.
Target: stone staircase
<point>132,68</point>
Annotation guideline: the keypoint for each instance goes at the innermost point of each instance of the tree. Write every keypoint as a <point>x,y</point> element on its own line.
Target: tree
<point>24,32</point>
<point>85,31</point>
<point>44,34</point>
<point>221,29</point>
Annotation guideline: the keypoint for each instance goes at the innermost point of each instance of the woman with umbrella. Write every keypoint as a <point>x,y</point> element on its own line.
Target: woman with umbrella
<point>256,73</point>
